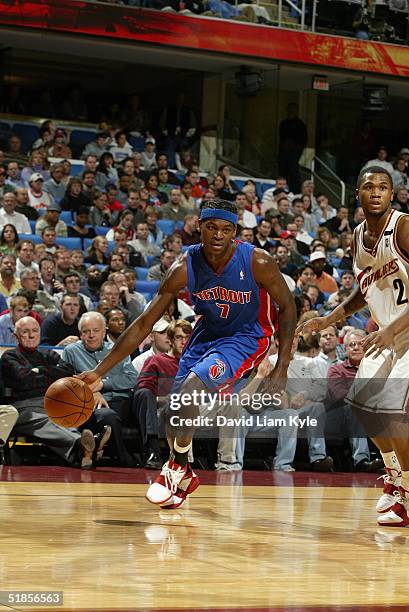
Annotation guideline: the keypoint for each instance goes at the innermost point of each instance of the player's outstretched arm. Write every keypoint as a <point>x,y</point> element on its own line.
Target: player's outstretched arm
<point>352,304</point>
<point>174,281</point>
<point>267,275</point>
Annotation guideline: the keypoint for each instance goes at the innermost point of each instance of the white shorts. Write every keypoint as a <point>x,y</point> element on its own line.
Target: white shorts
<point>382,385</point>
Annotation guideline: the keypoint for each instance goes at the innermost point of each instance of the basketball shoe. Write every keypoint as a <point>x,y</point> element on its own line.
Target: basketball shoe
<point>397,516</point>
<point>187,485</point>
<point>391,482</point>
<point>166,484</point>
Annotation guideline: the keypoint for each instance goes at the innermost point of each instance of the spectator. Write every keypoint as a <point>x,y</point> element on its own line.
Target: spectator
<point>116,398</point>
<point>100,213</point>
<point>97,252</point>
<point>19,307</point>
<point>315,296</point>
<point>162,164</point>
<point>151,215</point>
<point>35,166</point>
<point>219,185</point>
<point>283,262</point>
<point>91,163</point>
<point>190,232</point>
<point>269,199</point>
<point>49,237</point>
<point>96,147</point>
<point>4,187</point>
<point>246,235</point>
<point>160,343</point>
<point>358,217</point>
<point>262,239</point>
<point>324,281</point>
<point>186,200</point>
<point>89,187</point>
<point>287,239</point>
<point>401,200</point>
<point>125,222</point>
<point>55,185</point>
<point>156,198</point>
<point>340,416</point>
<point>164,186</point>
<point>74,197</point>
<point>301,235</point>
<point>141,242</point>
<point>114,205</point>
<point>132,301</point>
<point>306,277</point>
<point>246,218</point>
<point>52,219</point>
<point>25,257</point>
<point>77,261</point>
<point>116,324</point>
<point>136,206</point>
<point>14,175</point>
<point>110,292</point>
<point>124,187</point>
<point>72,285</point>
<point>23,207</point>
<point>174,210</point>
<point>229,184</point>
<point>106,172</point>
<point>62,328</point>
<point>324,212</point>
<point>47,269</point>
<point>339,223</point>
<point>252,203</point>
<point>29,372</point>
<point>158,271</point>
<point>328,354</point>
<point>59,147</point>
<point>8,240</point>
<point>15,151</point>
<point>380,160</point>
<point>293,140</point>
<point>155,383</point>
<point>62,263</point>
<point>38,198</point>
<point>81,229</point>
<point>148,156</point>
<point>121,149</point>
<point>42,302</point>
<point>92,283</point>
<point>8,215</point>
<point>131,257</point>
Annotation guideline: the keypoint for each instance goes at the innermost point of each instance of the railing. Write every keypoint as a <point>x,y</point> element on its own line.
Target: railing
<point>328,185</point>
<point>300,11</point>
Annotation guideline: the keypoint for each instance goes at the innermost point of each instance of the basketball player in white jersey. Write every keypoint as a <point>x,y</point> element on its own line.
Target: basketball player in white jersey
<point>380,392</point>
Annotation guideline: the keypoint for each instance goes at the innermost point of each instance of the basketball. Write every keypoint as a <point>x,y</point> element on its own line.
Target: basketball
<point>69,402</point>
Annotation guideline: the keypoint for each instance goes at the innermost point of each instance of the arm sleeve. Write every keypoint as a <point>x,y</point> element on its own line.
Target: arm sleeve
<point>148,378</point>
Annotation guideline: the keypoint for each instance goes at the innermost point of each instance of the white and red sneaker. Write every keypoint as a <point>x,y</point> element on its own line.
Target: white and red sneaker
<point>166,484</point>
<point>391,481</point>
<point>397,516</point>
<point>187,485</point>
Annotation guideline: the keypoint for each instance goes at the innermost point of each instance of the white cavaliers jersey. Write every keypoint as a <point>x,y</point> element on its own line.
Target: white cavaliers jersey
<point>382,272</point>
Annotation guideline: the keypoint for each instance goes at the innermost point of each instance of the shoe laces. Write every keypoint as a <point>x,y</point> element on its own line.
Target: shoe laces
<point>400,499</point>
<point>386,479</point>
<point>172,477</point>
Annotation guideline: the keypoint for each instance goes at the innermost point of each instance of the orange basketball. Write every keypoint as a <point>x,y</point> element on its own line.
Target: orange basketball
<point>69,402</point>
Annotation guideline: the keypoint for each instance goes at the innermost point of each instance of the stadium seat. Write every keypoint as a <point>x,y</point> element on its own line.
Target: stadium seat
<point>27,133</point>
<point>77,168</point>
<point>33,226</point>
<point>70,243</point>
<point>179,224</point>
<point>33,237</point>
<point>150,287</point>
<point>137,142</point>
<point>141,273</point>
<point>66,216</point>
<point>100,230</point>
<point>79,138</point>
<point>166,226</point>
<point>87,243</point>
<point>149,259</point>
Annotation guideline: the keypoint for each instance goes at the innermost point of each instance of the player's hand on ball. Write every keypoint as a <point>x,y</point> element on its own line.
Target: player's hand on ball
<point>376,342</point>
<point>92,379</point>
<point>100,401</point>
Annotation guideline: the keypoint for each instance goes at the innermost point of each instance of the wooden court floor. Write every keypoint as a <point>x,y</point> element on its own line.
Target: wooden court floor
<point>254,541</point>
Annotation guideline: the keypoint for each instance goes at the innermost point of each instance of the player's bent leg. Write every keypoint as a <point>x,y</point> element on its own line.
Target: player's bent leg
<point>176,477</point>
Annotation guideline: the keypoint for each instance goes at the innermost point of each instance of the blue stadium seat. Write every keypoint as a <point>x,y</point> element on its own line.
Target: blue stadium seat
<point>147,286</point>
<point>147,296</point>
<point>76,168</point>
<point>149,259</point>
<point>179,224</point>
<point>70,243</point>
<point>166,226</point>
<point>100,230</point>
<point>239,183</point>
<point>141,273</point>
<point>87,243</point>
<point>137,142</point>
<point>33,226</point>
<point>33,237</point>
<point>66,216</point>
<point>80,138</point>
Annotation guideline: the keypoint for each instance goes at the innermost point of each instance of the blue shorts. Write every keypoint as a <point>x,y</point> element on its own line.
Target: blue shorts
<point>221,364</point>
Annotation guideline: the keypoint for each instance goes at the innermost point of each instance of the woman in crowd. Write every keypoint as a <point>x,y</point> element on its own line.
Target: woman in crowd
<point>219,184</point>
<point>8,240</point>
<point>156,198</point>
<point>125,222</point>
<point>229,185</point>
<point>106,171</point>
<point>156,235</point>
<point>97,252</point>
<point>36,163</point>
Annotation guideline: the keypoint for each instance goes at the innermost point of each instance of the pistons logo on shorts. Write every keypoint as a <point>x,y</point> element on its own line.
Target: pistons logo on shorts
<point>217,370</point>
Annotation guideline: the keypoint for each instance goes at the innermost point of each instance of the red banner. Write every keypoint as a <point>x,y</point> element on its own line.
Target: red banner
<point>213,35</point>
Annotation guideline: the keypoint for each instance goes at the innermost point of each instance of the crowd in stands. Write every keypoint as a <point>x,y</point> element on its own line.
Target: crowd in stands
<point>83,255</point>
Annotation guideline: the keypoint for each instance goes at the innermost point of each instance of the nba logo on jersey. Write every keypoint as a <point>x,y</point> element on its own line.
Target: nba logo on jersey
<point>241,275</point>
<point>217,370</point>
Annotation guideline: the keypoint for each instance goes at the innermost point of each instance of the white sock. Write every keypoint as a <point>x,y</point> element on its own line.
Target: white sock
<point>405,480</point>
<point>391,461</point>
<point>181,449</point>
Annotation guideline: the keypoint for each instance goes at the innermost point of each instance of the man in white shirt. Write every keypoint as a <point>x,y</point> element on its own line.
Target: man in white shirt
<point>8,215</point>
<point>38,198</point>
<point>149,155</point>
<point>25,257</point>
<point>160,344</point>
<point>328,355</point>
<point>380,160</point>
<point>246,218</point>
<point>14,175</point>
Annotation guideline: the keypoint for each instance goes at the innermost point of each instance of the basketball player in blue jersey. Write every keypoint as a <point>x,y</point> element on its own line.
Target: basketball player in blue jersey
<point>233,287</point>
<point>380,392</point>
